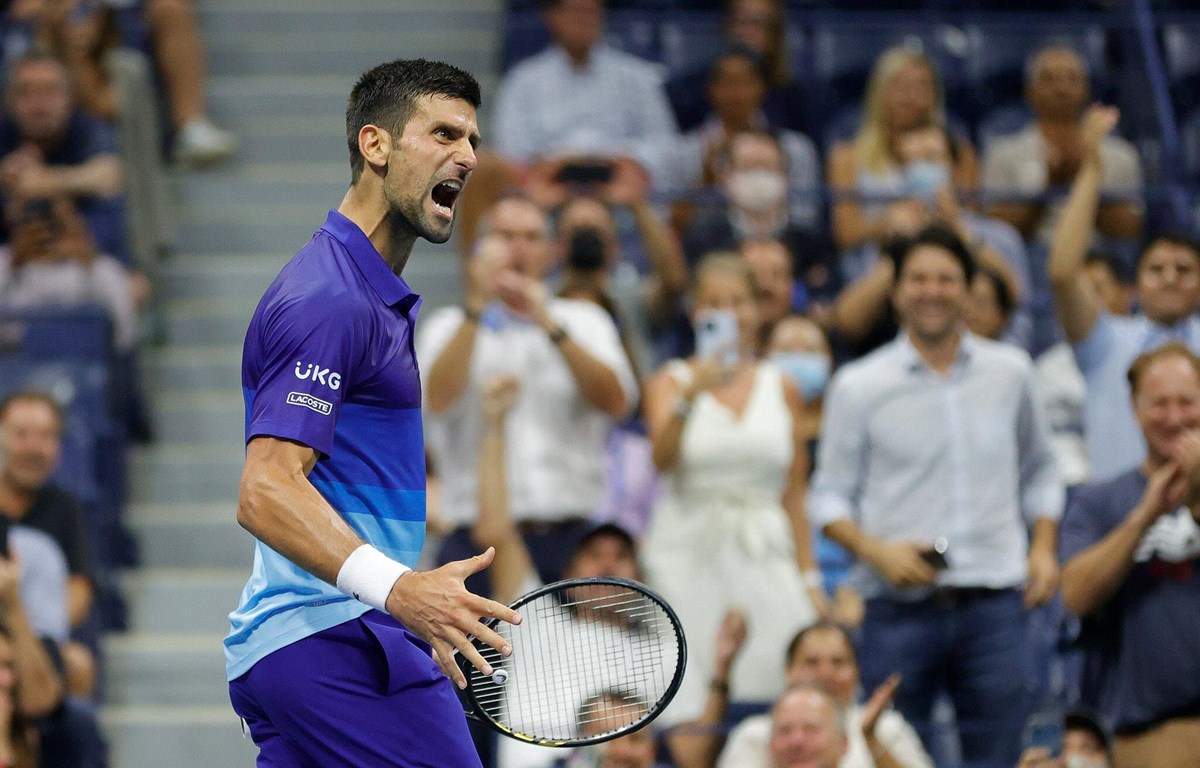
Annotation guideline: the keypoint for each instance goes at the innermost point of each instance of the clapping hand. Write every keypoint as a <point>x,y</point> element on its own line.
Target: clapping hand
<point>882,697</point>
<point>499,395</point>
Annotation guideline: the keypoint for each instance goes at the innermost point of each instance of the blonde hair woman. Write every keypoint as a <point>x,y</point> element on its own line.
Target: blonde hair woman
<point>904,92</point>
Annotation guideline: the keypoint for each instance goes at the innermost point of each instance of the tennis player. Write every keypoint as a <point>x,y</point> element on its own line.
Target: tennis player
<point>329,652</point>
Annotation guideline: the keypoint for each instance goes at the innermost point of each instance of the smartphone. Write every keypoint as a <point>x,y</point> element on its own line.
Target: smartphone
<point>936,555</point>
<point>1045,731</point>
<point>585,172</point>
<point>717,336</point>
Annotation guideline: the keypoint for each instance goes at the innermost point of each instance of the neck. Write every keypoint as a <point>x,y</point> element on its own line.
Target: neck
<point>578,56</point>
<point>736,123</point>
<point>387,229</point>
<point>938,353</point>
<point>764,223</point>
<point>15,502</point>
<point>1057,122</point>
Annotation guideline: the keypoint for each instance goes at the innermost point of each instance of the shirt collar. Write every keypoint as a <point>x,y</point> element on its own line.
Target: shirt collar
<point>389,286</point>
<point>914,363</point>
<point>595,57</point>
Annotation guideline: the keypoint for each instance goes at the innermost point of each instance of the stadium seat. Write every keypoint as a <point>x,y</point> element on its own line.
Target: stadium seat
<point>57,333</point>
<point>1189,140</point>
<point>1002,121</point>
<point>689,41</point>
<point>1181,51</point>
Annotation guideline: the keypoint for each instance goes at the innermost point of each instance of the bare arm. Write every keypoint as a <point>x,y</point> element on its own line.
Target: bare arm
<point>1075,301</point>
<point>79,598</point>
<point>696,744</point>
<point>448,374</point>
<point>851,226</point>
<point>1119,220</point>
<point>597,382</point>
<point>1094,575</point>
<point>40,689</point>
<point>860,305</point>
<point>99,177</point>
<point>899,562</point>
<point>282,509</point>
<point>668,269</point>
<point>494,527</point>
<point>663,421</point>
<point>793,502</point>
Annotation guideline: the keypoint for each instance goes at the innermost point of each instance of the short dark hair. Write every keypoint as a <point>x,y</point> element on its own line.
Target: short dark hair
<point>1115,266</point>
<point>386,96</point>
<point>37,396</point>
<point>937,235</point>
<point>821,626</point>
<point>1004,295</point>
<point>1137,369</point>
<point>1184,239</point>
<point>737,51</point>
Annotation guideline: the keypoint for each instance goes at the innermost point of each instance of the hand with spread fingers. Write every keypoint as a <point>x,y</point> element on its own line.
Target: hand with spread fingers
<point>436,606</point>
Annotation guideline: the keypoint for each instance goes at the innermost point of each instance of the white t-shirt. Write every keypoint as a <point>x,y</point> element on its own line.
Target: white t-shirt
<point>554,436</point>
<point>749,743</point>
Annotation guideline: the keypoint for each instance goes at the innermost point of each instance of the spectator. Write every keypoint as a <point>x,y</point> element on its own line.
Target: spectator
<point>1131,553</point>
<point>866,176</point>
<point>991,307</point>
<point>16,735</point>
<point>863,314</point>
<point>799,348</point>
<point>771,264</point>
<point>758,26</point>
<point>823,654</point>
<point>1168,292</point>
<point>978,474</point>
<point>580,102</point>
<point>590,250</point>
<point>755,207</point>
<point>1060,382</point>
<point>575,377</point>
<point>1046,155</point>
<point>51,259</point>
<point>179,53</point>
<point>607,550</point>
<point>737,87</point>
<point>31,425</point>
<point>806,730</point>
<point>730,528</point>
<point>1086,743</point>
<point>49,148</point>
<point>116,84</point>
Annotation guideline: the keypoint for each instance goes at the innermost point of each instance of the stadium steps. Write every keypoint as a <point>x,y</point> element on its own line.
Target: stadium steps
<point>281,72</point>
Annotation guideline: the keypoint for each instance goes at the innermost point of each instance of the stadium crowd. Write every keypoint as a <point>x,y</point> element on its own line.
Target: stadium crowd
<point>896,399</point>
<point>100,98</point>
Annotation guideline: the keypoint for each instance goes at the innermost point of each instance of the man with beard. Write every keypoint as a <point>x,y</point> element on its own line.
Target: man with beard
<point>934,458</point>
<point>329,654</point>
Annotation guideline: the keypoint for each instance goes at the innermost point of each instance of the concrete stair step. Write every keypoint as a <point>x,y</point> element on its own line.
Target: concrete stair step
<point>184,472</point>
<point>166,669</point>
<point>186,369</point>
<point>209,321</point>
<point>192,534</point>
<point>198,736</point>
<point>297,185</point>
<point>214,416</point>
<point>235,99</point>
<point>177,600</point>
<point>222,276</point>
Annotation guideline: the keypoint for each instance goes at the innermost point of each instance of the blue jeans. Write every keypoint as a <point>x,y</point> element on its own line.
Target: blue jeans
<point>972,645</point>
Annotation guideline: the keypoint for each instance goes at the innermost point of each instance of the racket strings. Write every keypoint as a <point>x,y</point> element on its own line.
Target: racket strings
<point>586,662</point>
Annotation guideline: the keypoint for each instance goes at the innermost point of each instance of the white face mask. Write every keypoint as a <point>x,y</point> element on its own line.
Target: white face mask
<point>756,190</point>
<point>1079,761</point>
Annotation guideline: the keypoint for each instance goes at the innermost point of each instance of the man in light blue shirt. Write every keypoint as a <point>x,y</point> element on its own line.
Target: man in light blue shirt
<point>1168,291</point>
<point>581,99</point>
<point>934,463</point>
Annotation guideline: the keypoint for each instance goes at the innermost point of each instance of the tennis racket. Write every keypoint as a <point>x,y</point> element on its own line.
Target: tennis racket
<point>592,659</point>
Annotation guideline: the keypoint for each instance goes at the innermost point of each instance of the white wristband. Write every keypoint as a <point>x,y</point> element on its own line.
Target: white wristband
<point>368,575</point>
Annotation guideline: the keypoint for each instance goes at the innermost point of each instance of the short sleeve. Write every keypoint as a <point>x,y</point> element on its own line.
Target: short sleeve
<point>74,539</point>
<point>591,328</point>
<point>433,336</point>
<point>1084,523</point>
<point>308,351</point>
<point>1094,349</point>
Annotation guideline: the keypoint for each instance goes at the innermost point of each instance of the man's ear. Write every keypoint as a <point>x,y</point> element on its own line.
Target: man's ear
<point>375,145</point>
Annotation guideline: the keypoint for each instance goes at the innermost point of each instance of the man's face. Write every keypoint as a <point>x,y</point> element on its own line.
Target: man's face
<point>736,90</point>
<point>430,162</point>
<point>588,213</point>
<point>771,264</point>
<point>755,152</point>
<point>1167,404</point>
<point>29,444</point>
<point>523,227</point>
<point>576,24</point>
<point>604,556</point>
<point>931,293</point>
<point>40,99</point>
<point>1168,282</point>
<point>1079,743</point>
<point>1059,86</point>
<point>804,732</point>
<point>825,659</point>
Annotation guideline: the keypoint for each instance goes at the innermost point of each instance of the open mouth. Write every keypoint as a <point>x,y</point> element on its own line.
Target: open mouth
<point>444,195</point>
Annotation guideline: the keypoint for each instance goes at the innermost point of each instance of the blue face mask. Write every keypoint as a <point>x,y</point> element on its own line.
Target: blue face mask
<point>925,178</point>
<point>809,370</point>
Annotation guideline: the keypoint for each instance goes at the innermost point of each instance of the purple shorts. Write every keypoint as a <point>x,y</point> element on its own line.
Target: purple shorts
<point>366,692</point>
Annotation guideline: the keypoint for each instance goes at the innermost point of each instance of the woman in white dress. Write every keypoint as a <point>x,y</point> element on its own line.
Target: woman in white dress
<point>730,529</point>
